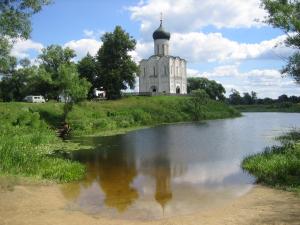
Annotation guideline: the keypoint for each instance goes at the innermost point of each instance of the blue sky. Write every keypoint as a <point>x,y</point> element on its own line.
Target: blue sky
<point>221,40</point>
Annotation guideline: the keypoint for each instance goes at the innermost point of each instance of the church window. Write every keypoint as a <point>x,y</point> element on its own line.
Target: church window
<point>144,71</point>
<point>165,70</point>
<point>154,71</point>
<point>177,72</point>
<point>157,49</point>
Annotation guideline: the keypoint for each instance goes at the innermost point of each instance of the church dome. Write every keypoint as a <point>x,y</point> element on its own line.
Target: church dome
<point>160,33</point>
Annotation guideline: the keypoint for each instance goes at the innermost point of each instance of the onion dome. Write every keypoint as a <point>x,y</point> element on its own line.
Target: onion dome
<point>160,33</point>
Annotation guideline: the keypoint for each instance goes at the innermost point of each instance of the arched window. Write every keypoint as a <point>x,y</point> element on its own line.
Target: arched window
<point>144,71</point>
<point>154,72</point>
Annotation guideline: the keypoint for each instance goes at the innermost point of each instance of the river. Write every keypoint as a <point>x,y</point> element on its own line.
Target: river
<point>172,169</point>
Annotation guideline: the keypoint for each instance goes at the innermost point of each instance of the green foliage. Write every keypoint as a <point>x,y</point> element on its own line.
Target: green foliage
<point>26,143</point>
<point>285,15</point>
<point>114,64</point>
<point>198,103</point>
<point>15,23</point>
<point>130,112</point>
<point>215,90</point>
<point>88,70</point>
<point>278,166</point>
<point>235,97</point>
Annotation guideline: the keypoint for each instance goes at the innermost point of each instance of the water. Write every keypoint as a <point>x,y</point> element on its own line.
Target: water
<point>172,169</point>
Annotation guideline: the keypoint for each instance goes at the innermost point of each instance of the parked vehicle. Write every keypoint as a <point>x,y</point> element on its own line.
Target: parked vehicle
<point>35,99</point>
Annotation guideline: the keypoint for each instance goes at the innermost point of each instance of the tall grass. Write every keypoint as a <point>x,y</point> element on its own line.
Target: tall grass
<point>278,166</point>
<point>26,143</point>
<point>93,118</point>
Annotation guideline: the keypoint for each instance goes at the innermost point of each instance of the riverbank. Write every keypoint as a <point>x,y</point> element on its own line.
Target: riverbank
<point>278,166</point>
<point>278,107</point>
<point>28,141</point>
<point>261,205</point>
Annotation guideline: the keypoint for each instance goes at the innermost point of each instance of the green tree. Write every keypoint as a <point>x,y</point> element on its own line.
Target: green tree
<point>197,102</point>
<point>15,23</point>
<point>235,97</point>
<point>73,88</point>
<point>88,70</point>
<point>52,58</point>
<point>214,90</point>
<point>115,66</point>
<point>285,14</point>
<point>17,86</point>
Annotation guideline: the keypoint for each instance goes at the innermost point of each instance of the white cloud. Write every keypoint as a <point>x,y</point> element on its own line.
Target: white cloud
<point>190,15</point>
<point>197,47</point>
<point>22,48</point>
<point>83,46</point>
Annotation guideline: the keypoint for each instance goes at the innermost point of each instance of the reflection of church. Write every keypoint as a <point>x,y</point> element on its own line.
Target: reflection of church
<point>162,72</point>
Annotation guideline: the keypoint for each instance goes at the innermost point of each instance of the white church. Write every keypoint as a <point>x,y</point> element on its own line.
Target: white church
<point>161,72</point>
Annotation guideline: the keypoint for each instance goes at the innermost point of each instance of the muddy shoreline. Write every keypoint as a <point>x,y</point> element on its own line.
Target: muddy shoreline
<point>44,204</point>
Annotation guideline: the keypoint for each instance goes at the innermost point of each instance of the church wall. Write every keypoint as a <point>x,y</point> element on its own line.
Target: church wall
<point>177,75</point>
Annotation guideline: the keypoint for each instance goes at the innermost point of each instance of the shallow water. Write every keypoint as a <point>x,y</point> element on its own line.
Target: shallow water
<point>172,169</point>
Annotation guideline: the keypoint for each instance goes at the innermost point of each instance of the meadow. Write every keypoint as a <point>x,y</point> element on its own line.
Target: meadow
<point>28,139</point>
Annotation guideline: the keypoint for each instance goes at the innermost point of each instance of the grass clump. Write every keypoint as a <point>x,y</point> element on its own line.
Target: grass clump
<point>26,143</point>
<point>278,166</point>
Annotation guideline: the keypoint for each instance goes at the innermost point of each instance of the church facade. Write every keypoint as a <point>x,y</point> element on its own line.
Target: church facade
<point>161,72</point>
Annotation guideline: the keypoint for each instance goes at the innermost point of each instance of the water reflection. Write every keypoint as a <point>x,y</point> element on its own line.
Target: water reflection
<point>173,169</point>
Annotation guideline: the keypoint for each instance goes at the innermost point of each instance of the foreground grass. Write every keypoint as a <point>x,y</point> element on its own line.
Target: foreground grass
<point>28,139</point>
<point>26,144</point>
<point>279,107</point>
<point>278,166</point>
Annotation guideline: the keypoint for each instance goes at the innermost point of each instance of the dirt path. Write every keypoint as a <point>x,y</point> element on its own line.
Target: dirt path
<point>43,205</point>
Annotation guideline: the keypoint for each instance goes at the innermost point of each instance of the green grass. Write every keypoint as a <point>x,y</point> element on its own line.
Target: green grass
<point>129,113</point>
<point>27,131</point>
<point>278,107</point>
<point>278,166</point>
<point>26,144</point>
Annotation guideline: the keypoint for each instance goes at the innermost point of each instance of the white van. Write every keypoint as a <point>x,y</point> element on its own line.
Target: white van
<point>35,99</point>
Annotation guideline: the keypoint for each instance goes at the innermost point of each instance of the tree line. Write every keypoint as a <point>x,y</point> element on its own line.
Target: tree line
<point>235,98</point>
<point>58,74</point>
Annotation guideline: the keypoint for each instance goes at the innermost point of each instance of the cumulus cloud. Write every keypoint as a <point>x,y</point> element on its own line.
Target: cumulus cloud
<point>198,47</point>
<point>190,15</point>
<point>23,48</point>
<point>83,46</point>
<point>266,82</point>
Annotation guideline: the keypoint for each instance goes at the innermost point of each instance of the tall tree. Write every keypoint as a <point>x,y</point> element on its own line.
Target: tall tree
<point>285,14</point>
<point>15,23</point>
<point>88,70</point>
<point>114,64</point>
<point>52,58</point>
<point>71,86</point>
<point>235,97</point>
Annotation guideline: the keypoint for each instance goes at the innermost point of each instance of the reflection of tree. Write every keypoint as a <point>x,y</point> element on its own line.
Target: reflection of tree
<point>115,177</point>
<point>113,170</point>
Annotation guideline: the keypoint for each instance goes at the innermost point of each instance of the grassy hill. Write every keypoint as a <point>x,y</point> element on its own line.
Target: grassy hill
<point>28,138</point>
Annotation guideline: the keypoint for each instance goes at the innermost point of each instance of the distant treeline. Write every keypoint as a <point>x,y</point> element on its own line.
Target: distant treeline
<point>235,98</point>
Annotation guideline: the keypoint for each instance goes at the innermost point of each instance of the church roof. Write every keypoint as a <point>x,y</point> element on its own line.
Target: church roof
<point>160,33</point>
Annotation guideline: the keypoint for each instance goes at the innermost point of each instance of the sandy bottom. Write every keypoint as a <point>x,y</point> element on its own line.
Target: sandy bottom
<point>43,205</point>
